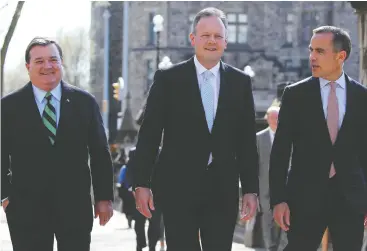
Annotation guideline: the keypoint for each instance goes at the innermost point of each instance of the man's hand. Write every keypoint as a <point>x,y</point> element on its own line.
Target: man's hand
<point>282,215</point>
<point>103,209</point>
<point>365,221</point>
<point>249,206</point>
<point>144,201</point>
<point>5,204</point>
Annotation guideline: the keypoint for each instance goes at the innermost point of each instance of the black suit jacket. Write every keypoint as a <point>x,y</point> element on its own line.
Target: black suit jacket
<point>174,106</point>
<point>129,168</point>
<point>60,172</point>
<point>302,124</point>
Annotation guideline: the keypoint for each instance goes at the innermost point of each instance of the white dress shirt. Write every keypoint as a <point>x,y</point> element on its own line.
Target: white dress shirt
<point>215,82</point>
<point>341,95</point>
<point>39,96</point>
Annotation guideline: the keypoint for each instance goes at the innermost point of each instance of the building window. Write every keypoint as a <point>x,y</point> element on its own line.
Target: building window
<point>305,70</point>
<point>290,27</point>
<point>288,63</point>
<point>191,20</point>
<point>189,25</point>
<point>237,28</point>
<point>330,17</point>
<point>152,35</point>
<point>309,22</point>
<point>150,75</point>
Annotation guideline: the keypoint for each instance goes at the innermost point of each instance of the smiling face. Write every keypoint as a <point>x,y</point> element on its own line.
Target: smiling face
<point>209,40</point>
<point>45,66</point>
<point>325,61</point>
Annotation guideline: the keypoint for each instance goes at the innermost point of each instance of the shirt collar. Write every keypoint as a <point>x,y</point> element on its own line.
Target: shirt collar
<point>200,68</point>
<point>40,94</point>
<point>340,81</point>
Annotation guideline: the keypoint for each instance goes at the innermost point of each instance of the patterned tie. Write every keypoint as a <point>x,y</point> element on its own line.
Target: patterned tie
<point>332,119</point>
<point>207,96</point>
<point>49,118</point>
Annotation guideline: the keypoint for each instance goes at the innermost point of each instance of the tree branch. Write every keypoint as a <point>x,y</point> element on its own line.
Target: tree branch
<point>7,39</point>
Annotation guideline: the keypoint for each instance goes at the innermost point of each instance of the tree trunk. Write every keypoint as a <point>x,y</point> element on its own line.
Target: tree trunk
<point>8,36</point>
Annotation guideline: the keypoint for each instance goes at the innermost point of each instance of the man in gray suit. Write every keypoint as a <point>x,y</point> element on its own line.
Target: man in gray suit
<point>270,230</point>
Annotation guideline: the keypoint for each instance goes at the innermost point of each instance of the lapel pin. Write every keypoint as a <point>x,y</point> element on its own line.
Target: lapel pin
<point>67,101</point>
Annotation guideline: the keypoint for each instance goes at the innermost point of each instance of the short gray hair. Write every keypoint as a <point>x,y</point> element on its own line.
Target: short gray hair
<point>341,39</point>
<point>209,12</point>
<point>272,108</point>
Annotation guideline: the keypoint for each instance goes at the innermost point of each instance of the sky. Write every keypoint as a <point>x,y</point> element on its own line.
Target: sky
<point>40,18</point>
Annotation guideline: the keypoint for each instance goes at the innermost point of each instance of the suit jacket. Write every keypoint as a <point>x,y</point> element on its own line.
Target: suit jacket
<point>61,172</point>
<point>129,169</point>
<point>264,149</point>
<point>302,124</point>
<point>174,105</point>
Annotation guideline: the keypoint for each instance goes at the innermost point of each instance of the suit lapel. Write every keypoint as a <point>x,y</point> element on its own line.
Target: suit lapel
<point>223,90</point>
<point>198,107</point>
<point>351,92</point>
<point>65,110</point>
<point>197,103</point>
<point>319,110</point>
<point>264,150</point>
<point>31,111</point>
<point>267,143</point>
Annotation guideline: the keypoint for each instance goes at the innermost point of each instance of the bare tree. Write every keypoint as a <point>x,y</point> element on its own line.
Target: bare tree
<point>76,56</point>
<point>15,77</point>
<point>7,39</point>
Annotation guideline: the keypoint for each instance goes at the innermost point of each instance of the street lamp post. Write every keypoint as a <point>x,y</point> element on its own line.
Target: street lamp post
<point>158,28</point>
<point>106,89</point>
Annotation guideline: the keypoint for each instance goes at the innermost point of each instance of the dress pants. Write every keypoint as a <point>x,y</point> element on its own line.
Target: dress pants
<point>212,210</point>
<point>154,229</point>
<point>33,225</point>
<point>345,225</point>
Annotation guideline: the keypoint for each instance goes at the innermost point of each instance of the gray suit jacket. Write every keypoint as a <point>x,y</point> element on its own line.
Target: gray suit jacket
<point>264,149</point>
<point>264,227</point>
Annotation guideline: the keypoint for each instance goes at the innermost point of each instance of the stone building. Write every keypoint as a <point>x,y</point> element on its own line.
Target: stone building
<point>271,37</point>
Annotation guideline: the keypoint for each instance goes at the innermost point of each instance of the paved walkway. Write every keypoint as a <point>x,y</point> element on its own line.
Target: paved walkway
<point>115,236</point>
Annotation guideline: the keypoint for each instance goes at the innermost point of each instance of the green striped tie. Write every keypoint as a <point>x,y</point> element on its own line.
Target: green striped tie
<point>49,118</point>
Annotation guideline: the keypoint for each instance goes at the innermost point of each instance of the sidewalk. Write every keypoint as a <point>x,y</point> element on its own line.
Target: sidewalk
<point>115,236</point>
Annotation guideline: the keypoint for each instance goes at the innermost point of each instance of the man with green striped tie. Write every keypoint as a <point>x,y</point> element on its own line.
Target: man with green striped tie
<point>50,132</point>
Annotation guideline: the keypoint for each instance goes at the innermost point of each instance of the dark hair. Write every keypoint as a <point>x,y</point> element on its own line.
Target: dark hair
<point>209,12</point>
<point>341,39</point>
<point>40,41</point>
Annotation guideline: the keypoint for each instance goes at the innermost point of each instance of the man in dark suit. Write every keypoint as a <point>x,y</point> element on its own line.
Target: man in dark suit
<point>271,232</point>
<point>49,132</point>
<point>154,229</point>
<point>206,110</point>
<point>323,118</point>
